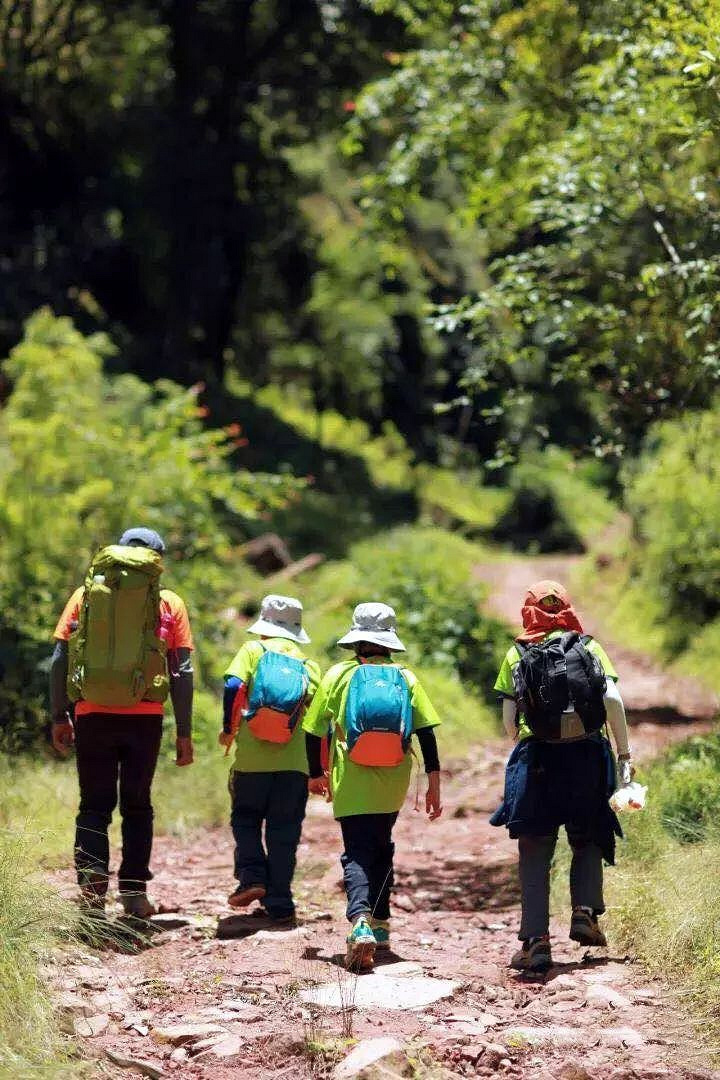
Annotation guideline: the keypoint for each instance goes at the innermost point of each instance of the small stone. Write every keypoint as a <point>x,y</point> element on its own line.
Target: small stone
<point>604,997</point>
<point>368,1054</point>
<point>146,1068</point>
<point>622,1037</point>
<point>227,1046</point>
<point>73,1004</point>
<point>493,1054</point>
<point>177,1034</point>
<point>87,1027</point>
<point>179,1054</point>
<point>489,974</point>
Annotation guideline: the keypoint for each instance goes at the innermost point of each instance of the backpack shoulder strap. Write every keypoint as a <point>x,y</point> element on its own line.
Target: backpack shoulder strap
<point>521,647</point>
<point>586,639</point>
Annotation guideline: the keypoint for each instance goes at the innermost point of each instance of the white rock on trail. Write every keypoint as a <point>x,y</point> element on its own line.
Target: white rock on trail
<point>145,1068</point>
<point>87,1027</point>
<point>604,997</point>
<point>177,1034</point>
<point>384,1052</point>
<point>394,987</point>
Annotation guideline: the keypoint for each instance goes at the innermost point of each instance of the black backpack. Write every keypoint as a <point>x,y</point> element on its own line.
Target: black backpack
<point>554,676</point>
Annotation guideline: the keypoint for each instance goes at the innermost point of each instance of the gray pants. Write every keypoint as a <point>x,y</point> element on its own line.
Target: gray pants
<point>586,879</point>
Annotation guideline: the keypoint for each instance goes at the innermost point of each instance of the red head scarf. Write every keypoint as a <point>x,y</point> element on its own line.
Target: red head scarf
<point>547,607</point>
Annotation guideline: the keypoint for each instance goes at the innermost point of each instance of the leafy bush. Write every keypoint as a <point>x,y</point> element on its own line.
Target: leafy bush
<point>462,499</point>
<point>673,495</point>
<point>84,455</point>
<point>558,503</point>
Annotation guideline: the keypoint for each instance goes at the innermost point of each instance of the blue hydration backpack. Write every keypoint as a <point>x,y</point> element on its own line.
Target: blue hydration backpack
<point>277,696</point>
<point>378,715</point>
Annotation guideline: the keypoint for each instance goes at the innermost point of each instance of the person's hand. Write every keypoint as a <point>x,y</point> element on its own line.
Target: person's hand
<point>433,805</point>
<point>318,785</point>
<point>627,769</point>
<point>225,738</point>
<point>63,736</point>
<point>183,750</point>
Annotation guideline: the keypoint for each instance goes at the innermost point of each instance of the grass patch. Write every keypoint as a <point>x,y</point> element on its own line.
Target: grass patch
<point>32,919</point>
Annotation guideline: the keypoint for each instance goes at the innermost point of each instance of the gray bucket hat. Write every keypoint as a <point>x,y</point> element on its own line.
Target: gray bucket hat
<point>374,623</point>
<point>280,616</point>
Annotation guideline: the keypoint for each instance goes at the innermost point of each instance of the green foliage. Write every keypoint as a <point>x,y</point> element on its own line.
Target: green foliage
<point>580,137</point>
<point>557,503</point>
<point>82,457</point>
<point>33,916</point>
<point>460,498</point>
<point>674,497</point>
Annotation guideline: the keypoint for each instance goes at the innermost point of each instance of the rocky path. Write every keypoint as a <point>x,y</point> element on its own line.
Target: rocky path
<point>213,995</point>
<point>202,1001</point>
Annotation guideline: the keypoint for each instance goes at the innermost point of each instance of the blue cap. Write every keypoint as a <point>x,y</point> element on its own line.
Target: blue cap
<point>146,537</point>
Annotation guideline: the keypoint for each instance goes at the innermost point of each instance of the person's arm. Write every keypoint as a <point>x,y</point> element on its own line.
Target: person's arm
<point>425,719</point>
<point>617,722</point>
<point>180,670</point>
<point>509,717</point>
<point>313,747</point>
<point>428,749</point>
<point>60,706</point>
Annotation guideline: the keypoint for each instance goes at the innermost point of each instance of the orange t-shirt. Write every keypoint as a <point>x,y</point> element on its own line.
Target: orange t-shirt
<point>179,637</point>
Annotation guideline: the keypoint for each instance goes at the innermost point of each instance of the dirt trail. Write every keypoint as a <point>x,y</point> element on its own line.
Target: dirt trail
<point>202,1002</point>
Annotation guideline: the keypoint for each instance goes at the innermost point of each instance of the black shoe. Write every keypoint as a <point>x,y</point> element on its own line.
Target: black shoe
<point>584,928</point>
<point>533,956</point>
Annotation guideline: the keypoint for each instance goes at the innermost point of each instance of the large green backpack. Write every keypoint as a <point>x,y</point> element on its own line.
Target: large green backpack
<point>115,655</point>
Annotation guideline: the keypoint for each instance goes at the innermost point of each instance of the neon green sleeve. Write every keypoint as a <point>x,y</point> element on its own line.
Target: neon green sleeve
<point>424,714</point>
<point>317,718</point>
<point>597,650</point>
<point>314,675</point>
<point>504,683</point>
<point>246,661</point>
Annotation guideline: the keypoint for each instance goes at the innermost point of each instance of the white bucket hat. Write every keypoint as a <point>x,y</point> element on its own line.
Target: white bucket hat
<point>280,616</point>
<point>374,623</point>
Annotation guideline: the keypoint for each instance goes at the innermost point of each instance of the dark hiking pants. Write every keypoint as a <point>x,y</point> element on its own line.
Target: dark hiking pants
<point>367,863</point>
<point>277,800</point>
<point>115,752</point>
<point>586,879</point>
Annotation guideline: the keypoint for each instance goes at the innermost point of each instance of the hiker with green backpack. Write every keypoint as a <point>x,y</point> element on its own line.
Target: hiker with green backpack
<point>558,691</point>
<point>123,645</point>
<point>267,688</point>
<point>371,707</point>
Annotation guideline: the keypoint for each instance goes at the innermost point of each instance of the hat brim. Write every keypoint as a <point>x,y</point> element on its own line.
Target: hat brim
<point>387,638</point>
<point>271,629</point>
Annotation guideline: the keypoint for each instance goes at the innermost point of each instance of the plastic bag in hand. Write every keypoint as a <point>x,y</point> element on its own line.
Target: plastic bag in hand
<point>629,797</point>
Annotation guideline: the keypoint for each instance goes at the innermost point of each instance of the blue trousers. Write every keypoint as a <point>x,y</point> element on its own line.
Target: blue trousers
<point>276,800</point>
<point>367,863</point>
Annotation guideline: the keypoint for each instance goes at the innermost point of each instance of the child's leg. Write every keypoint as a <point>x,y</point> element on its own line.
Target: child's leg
<point>283,826</point>
<point>357,862</point>
<point>249,805</point>
<point>381,875</point>
<point>536,853</point>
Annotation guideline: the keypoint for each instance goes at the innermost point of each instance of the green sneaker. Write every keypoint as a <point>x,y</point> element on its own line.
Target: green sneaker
<point>381,932</point>
<point>361,946</point>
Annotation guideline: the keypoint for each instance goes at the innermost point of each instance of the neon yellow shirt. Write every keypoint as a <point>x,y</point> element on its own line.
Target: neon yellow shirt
<point>363,789</point>
<point>257,755</point>
<point>505,685</point>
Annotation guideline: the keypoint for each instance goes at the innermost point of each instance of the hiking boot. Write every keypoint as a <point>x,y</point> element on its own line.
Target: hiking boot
<point>381,933</point>
<point>137,905</point>
<point>534,955</point>
<point>361,946</point>
<point>584,928</point>
<point>245,894</point>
